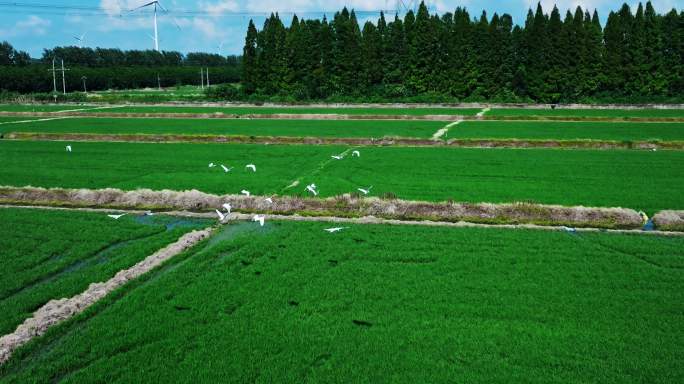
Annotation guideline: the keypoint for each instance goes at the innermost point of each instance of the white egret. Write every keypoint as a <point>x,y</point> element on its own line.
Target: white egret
<point>312,188</point>
<point>364,191</point>
<point>212,165</point>
<point>226,169</point>
<point>260,219</point>
<point>227,207</point>
<point>333,230</point>
<point>245,192</point>
<point>220,215</point>
<point>251,166</point>
<point>356,154</point>
<point>568,229</point>
<point>68,148</point>
<point>117,217</point>
<point>337,157</point>
<point>268,200</point>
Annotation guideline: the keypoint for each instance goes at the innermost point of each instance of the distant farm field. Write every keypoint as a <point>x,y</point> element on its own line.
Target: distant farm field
<point>546,130</point>
<point>52,254</point>
<point>562,112</point>
<point>414,111</point>
<point>291,303</point>
<point>235,127</point>
<point>634,179</point>
<point>38,107</point>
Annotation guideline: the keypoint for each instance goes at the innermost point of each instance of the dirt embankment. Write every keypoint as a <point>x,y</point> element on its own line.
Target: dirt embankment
<point>341,206</point>
<point>385,141</point>
<point>57,311</point>
<point>669,220</point>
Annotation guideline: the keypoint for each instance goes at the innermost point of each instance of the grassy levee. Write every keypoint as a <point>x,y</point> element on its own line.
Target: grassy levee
<point>233,127</point>
<point>563,131</point>
<point>51,254</point>
<point>586,113</point>
<point>291,303</point>
<point>649,181</point>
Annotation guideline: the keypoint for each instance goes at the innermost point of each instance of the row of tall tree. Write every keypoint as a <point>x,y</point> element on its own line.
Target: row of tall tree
<point>550,58</point>
<point>111,69</point>
<point>113,57</point>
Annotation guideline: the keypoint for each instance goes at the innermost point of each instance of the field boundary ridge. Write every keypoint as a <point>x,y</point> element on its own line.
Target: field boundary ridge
<point>384,141</point>
<point>348,206</point>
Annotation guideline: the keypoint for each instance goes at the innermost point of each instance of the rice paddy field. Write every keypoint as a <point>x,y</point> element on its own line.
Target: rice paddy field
<point>563,112</point>
<point>644,180</point>
<point>340,301</point>
<point>234,127</point>
<point>546,130</point>
<point>53,254</point>
<point>291,303</point>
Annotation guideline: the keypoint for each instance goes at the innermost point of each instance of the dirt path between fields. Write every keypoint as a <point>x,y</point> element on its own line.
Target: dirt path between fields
<point>56,311</point>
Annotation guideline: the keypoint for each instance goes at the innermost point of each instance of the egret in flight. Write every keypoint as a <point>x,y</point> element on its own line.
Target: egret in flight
<point>220,215</point>
<point>117,217</point>
<point>356,154</point>
<point>226,169</point>
<point>333,230</point>
<point>251,166</point>
<point>212,165</point>
<point>227,207</point>
<point>245,192</point>
<point>365,191</point>
<point>337,157</point>
<point>312,188</point>
<point>260,219</point>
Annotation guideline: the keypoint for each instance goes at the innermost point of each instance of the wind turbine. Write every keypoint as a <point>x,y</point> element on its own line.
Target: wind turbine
<point>80,39</point>
<point>155,4</point>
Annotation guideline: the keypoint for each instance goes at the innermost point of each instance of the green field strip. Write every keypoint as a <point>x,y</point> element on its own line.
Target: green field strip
<point>54,254</point>
<point>642,180</point>
<point>614,113</point>
<point>39,107</point>
<point>235,127</point>
<point>545,130</point>
<point>290,303</point>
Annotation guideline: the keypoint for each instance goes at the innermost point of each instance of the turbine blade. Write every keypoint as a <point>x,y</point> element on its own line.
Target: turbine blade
<point>142,6</point>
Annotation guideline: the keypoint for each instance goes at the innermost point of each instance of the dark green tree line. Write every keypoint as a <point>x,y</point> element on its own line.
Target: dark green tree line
<point>552,57</point>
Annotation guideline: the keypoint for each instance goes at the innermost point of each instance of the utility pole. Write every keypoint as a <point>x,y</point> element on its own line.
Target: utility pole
<point>85,90</point>
<point>63,70</point>
<point>158,82</point>
<point>202,78</point>
<point>207,77</point>
<point>54,80</point>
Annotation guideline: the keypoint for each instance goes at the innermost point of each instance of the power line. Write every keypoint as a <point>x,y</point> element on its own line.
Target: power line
<point>78,10</point>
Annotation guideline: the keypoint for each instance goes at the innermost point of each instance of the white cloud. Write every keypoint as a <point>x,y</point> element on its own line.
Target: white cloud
<point>32,25</point>
<point>220,6</point>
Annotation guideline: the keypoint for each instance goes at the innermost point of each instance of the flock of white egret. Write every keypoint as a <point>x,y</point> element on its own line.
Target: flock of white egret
<point>311,188</point>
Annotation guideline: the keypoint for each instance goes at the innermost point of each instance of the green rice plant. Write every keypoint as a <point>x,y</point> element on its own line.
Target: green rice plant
<point>290,303</point>
<point>233,127</point>
<point>641,180</point>
<point>561,112</point>
<point>547,130</point>
<point>54,254</point>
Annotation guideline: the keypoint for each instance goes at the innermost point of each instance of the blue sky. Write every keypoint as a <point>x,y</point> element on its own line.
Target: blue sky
<point>223,23</point>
